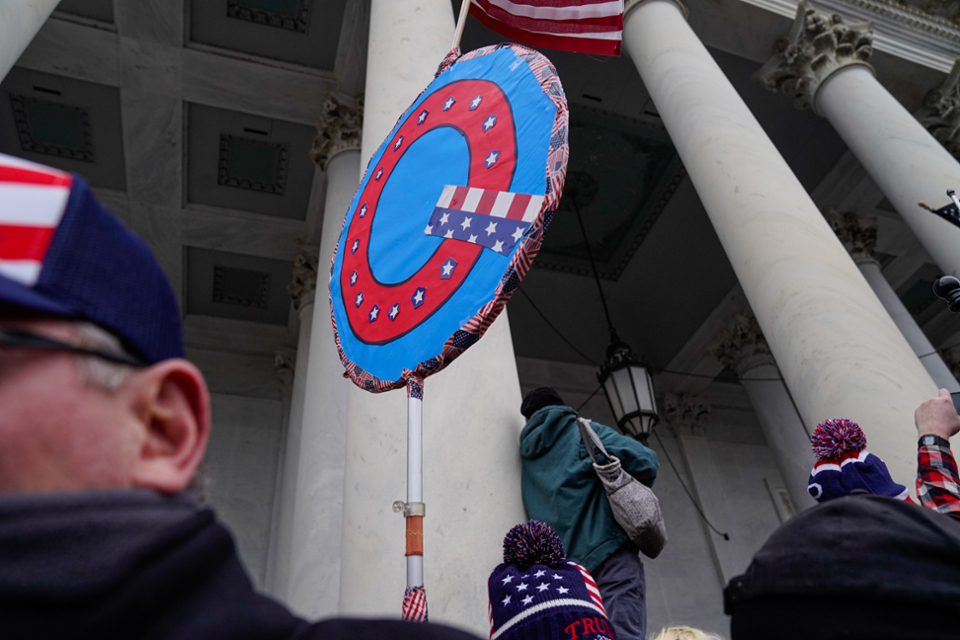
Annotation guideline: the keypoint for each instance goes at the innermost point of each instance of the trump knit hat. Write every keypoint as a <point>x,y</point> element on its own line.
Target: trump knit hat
<point>63,254</point>
<point>537,594</point>
<point>844,466</point>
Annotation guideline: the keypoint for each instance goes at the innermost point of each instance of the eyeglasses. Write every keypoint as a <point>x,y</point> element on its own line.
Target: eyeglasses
<point>20,339</point>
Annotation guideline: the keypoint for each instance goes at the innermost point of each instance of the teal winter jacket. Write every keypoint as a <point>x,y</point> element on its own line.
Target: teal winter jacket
<point>561,488</point>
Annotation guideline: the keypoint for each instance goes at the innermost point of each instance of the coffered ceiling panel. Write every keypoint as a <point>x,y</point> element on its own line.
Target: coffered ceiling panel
<point>237,286</point>
<point>301,31</point>
<point>65,123</point>
<point>248,163</point>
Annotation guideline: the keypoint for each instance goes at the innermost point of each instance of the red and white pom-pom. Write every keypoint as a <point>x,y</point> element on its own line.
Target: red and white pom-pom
<point>832,438</point>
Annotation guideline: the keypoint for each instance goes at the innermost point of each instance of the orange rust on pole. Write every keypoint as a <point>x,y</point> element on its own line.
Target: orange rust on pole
<point>414,536</point>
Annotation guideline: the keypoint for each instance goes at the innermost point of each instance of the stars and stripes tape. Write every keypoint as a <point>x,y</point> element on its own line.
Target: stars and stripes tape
<point>493,219</point>
<point>33,199</point>
<point>415,604</point>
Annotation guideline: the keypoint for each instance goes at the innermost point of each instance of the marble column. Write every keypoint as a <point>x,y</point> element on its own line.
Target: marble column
<point>837,348</point>
<point>471,418</point>
<point>822,62</point>
<point>307,574</point>
<point>19,23</point>
<point>859,237</point>
<point>743,348</point>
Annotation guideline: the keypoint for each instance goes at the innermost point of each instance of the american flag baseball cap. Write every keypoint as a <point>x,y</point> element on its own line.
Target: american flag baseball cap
<point>63,254</point>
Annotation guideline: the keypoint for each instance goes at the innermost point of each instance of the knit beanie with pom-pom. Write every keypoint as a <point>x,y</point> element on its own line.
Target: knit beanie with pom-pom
<point>844,466</point>
<point>537,594</point>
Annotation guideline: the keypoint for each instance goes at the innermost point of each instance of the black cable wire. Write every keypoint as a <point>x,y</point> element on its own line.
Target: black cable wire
<point>696,505</point>
<point>584,403</point>
<point>555,330</point>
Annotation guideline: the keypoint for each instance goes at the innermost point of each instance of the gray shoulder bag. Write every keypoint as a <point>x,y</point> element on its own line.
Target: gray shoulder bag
<point>634,505</point>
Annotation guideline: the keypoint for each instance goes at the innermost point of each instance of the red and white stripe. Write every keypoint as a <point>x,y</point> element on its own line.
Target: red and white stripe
<point>592,588</point>
<point>489,202</point>
<point>415,604</point>
<point>584,26</point>
<point>32,201</point>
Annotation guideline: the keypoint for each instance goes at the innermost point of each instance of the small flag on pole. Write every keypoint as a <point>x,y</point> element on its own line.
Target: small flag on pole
<point>582,26</point>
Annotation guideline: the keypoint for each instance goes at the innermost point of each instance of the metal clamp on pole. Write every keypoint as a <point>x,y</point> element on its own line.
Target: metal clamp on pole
<point>414,513</point>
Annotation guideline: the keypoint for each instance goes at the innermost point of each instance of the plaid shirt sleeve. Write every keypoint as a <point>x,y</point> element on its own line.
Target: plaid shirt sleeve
<point>938,483</point>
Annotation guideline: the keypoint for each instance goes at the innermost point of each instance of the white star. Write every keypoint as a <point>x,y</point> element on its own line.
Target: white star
<point>447,268</point>
<point>488,123</point>
<point>429,229</point>
<point>353,279</point>
<point>498,246</point>
<point>360,298</point>
<point>423,116</point>
<point>556,577</point>
<point>491,228</point>
<point>516,234</point>
<point>444,218</point>
<point>466,223</point>
<point>539,573</point>
<point>506,600</point>
<point>394,310</point>
<point>543,587</point>
<point>476,102</point>
<point>448,103</point>
<point>418,298</point>
<point>508,580</point>
<point>374,312</point>
<point>396,145</point>
<point>562,590</point>
<point>489,161</point>
<point>528,600</point>
<point>522,586</point>
<point>472,238</point>
<point>448,234</point>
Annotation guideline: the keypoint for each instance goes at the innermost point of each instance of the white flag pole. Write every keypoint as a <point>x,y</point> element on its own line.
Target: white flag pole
<point>415,597</point>
<point>461,23</point>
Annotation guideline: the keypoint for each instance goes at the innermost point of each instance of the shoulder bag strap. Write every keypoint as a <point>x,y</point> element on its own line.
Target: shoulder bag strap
<point>588,434</point>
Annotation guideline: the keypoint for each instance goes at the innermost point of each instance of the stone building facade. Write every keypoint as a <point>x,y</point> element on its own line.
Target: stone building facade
<point>766,253</point>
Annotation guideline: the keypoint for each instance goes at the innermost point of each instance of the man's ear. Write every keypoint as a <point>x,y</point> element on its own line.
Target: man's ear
<point>173,405</point>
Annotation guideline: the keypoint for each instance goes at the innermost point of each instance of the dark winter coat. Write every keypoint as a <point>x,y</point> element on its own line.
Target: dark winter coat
<point>135,564</point>
<point>561,488</point>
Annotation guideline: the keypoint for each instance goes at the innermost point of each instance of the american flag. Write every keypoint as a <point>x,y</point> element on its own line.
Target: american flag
<point>33,199</point>
<point>583,26</point>
<point>493,219</point>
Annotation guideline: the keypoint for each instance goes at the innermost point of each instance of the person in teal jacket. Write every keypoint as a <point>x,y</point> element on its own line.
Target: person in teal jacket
<point>561,489</point>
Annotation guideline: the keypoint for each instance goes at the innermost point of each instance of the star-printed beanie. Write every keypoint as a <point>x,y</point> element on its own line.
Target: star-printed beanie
<point>537,594</point>
<point>844,466</point>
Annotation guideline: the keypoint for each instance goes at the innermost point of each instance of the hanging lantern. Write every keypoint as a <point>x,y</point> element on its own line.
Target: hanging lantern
<point>628,386</point>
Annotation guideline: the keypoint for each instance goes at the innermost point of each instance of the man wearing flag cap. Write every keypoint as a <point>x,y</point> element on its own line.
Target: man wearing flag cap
<point>103,425</point>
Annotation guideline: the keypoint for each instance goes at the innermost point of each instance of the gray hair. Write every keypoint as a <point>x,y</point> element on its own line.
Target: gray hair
<point>107,376</point>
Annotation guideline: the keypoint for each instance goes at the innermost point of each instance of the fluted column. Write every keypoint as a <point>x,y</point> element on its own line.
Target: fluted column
<point>307,573</point>
<point>743,348</point>
<point>822,62</point>
<point>471,418</point>
<point>837,348</point>
<point>859,237</point>
<point>19,22</point>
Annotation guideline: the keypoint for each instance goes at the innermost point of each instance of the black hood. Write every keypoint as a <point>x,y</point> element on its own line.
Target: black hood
<point>125,564</point>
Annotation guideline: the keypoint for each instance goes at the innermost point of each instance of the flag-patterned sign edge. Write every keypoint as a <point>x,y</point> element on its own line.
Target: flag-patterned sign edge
<point>529,245</point>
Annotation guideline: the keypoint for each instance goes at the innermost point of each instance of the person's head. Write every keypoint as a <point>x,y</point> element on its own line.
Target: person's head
<point>844,466</point>
<point>684,633</point>
<point>538,399</point>
<point>94,390</point>
<point>537,594</point>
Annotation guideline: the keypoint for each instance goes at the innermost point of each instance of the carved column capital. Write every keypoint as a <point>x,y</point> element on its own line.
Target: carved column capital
<point>815,47</point>
<point>940,113</point>
<point>303,287</point>
<point>686,414</point>
<point>858,235</point>
<point>338,128</point>
<point>741,347</point>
